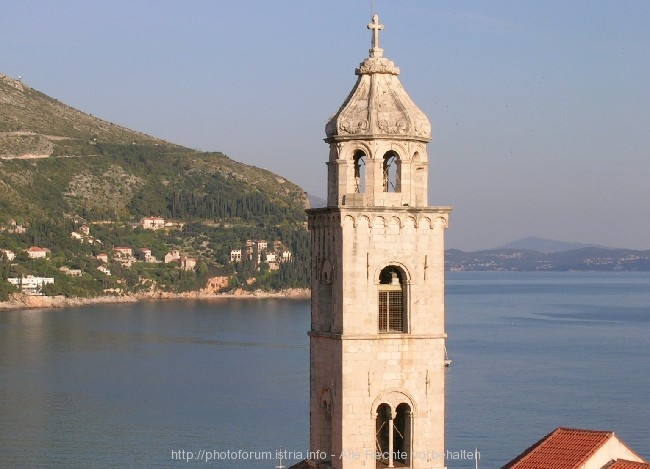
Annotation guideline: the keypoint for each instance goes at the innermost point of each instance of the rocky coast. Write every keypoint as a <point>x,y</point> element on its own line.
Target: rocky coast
<point>23,301</point>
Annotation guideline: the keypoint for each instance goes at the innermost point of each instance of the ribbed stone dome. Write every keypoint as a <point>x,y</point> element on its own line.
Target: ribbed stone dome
<point>378,105</point>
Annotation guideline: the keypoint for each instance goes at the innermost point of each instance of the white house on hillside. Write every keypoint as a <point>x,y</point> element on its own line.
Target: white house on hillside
<point>235,255</point>
<point>152,223</point>
<point>31,285</point>
<point>188,263</point>
<point>123,252</point>
<point>35,252</point>
<point>172,256</point>
<point>10,254</point>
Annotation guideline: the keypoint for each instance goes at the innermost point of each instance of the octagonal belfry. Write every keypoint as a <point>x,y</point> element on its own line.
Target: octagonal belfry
<point>378,140</point>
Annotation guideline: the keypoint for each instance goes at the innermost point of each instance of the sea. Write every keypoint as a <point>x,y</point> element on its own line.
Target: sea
<point>224,383</point>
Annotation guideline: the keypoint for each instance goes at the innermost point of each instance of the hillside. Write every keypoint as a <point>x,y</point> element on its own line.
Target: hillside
<point>61,169</point>
<point>119,173</point>
<point>34,125</point>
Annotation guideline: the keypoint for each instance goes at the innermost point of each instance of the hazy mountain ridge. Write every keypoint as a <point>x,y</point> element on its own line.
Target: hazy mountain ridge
<point>316,202</point>
<point>583,259</point>
<point>535,243</point>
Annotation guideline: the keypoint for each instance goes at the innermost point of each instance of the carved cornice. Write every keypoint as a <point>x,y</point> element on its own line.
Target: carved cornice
<point>430,217</point>
<point>377,65</point>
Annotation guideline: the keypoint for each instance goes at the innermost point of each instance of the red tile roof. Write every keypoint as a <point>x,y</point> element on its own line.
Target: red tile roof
<point>624,464</point>
<point>563,448</point>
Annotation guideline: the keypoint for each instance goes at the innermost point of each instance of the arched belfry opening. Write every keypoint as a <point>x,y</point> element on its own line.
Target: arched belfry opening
<point>383,425</point>
<point>392,310</point>
<point>393,435</point>
<point>359,171</point>
<point>402,436</point>
<point>391,168</point>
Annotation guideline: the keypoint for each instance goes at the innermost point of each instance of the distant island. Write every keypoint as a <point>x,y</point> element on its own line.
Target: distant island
<point>537,254</point>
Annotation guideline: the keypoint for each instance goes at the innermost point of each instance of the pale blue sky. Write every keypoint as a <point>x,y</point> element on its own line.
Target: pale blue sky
<point>540,110</point>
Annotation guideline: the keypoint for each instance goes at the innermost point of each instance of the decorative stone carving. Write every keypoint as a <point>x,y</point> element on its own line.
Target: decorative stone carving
<point>378,106</point>
<point>377,65</point>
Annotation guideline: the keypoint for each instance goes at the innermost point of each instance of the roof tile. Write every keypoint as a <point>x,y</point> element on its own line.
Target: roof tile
<point>625,464</point>
<point>563,448</point>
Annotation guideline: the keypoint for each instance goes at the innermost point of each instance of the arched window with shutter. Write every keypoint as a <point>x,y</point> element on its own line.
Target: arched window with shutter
<point>392,310</point>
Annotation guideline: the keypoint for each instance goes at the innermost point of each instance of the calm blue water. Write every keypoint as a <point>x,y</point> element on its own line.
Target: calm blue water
<point>534,351</point>
<point>125,385</point>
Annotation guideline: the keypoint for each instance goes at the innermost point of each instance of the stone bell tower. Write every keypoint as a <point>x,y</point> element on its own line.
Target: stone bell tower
<point>377,338</point>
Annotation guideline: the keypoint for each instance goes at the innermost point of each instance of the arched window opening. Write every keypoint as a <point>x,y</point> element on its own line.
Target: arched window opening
<point>326,425</point>
<point>326,272</point>
<point>391,172</point>
<point>392,310</point>
<point>402,433</point>
<point>359,171</point>
<point>382,434</point>
<point>393,436</point>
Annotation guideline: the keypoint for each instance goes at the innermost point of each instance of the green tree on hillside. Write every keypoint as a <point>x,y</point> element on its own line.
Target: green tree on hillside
<point>5,287</point>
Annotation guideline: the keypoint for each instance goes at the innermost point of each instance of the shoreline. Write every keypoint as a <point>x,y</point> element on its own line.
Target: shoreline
<point>20,301</point>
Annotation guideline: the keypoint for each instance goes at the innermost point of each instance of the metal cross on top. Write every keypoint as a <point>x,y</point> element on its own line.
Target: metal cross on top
<point>376,27</point>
